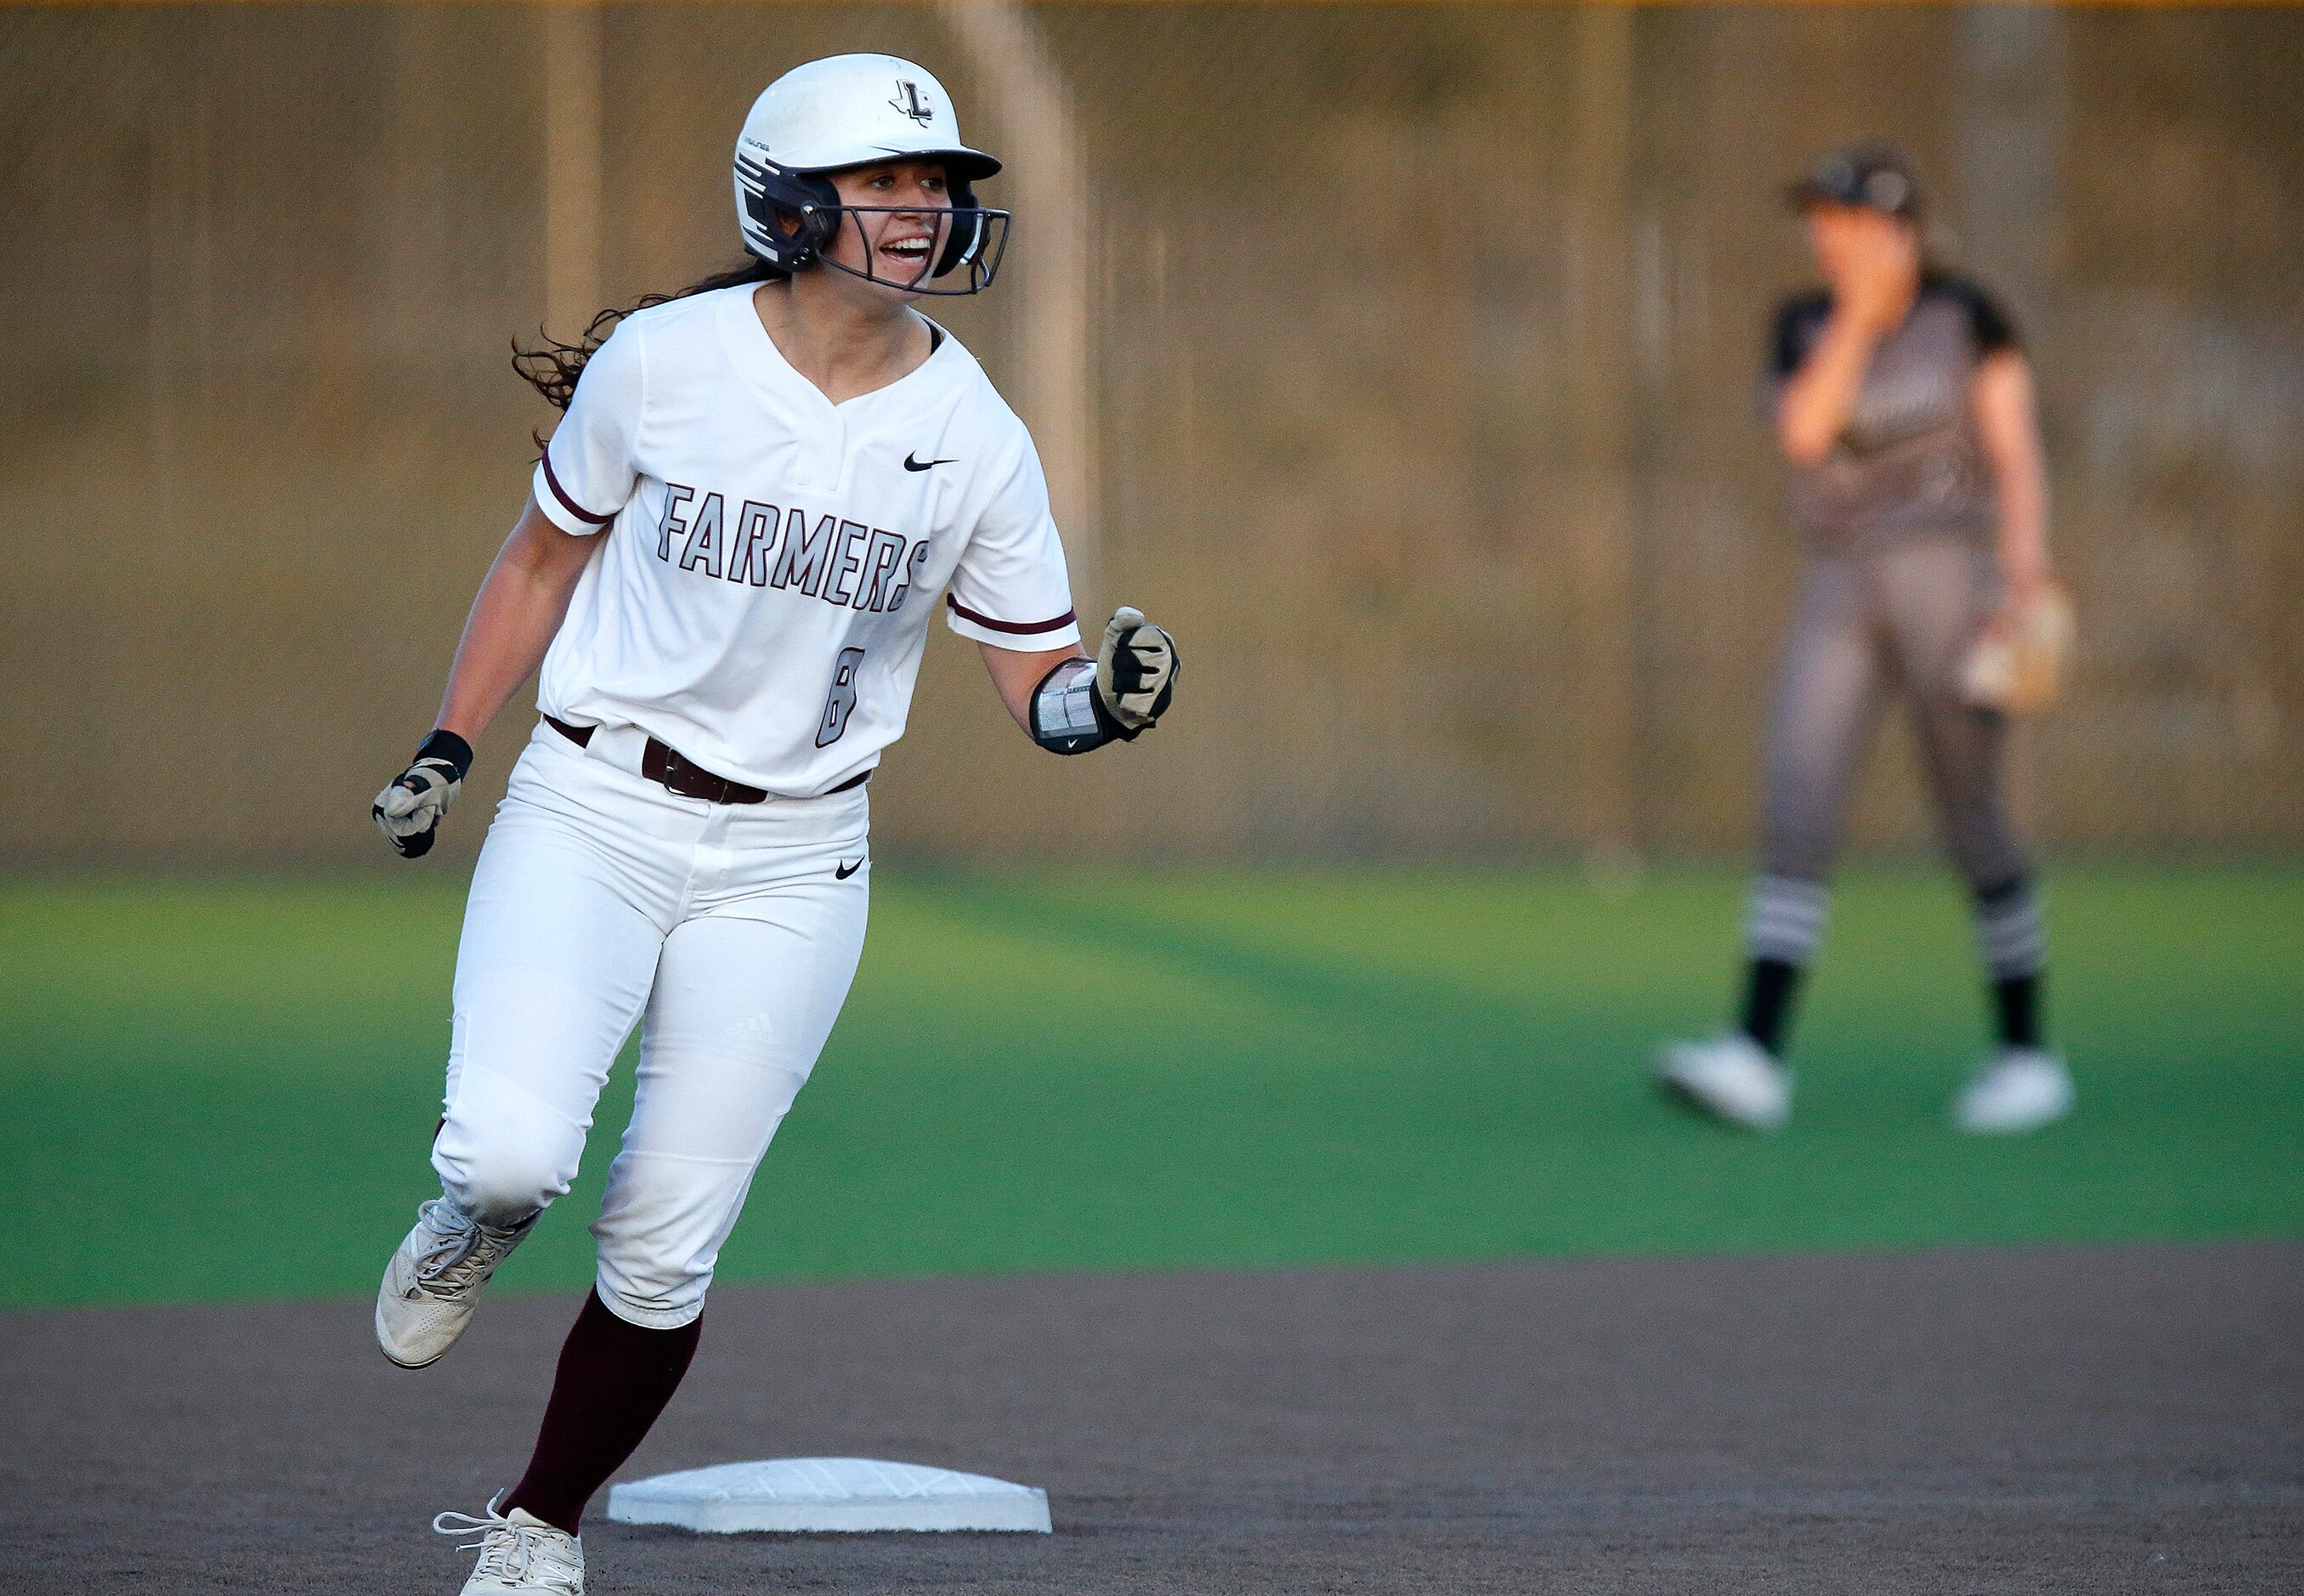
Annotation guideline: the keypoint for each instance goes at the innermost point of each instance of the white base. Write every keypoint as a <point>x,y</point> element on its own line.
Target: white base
<point>818,1494</point>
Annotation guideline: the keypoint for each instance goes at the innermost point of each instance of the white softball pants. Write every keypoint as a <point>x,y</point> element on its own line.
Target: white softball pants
<point>726,930</point>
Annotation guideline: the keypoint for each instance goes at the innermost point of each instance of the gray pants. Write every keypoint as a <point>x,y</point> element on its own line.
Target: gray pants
<point>1873,621</point>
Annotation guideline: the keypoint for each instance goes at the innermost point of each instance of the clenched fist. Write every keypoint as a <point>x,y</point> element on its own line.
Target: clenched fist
<point>1135,671</point>
<point>408,812</point>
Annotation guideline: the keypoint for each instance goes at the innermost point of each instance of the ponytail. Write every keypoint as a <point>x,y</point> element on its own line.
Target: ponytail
<point>551,368</point>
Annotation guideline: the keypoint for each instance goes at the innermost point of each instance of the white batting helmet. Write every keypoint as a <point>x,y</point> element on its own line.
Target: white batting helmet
<point>856,111</point>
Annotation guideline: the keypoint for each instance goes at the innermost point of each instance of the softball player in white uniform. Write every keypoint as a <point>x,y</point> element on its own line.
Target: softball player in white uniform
<point>725,569</point>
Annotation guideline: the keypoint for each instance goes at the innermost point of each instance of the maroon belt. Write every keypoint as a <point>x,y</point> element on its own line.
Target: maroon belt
<point>677,772</point>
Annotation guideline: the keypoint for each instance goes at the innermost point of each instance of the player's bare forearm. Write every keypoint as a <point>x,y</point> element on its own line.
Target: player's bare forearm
<point>2007,424</point>
<point>1016,673</point>
<point>1821,396</point>
<point>1873,290</point>
<point>515,616</point>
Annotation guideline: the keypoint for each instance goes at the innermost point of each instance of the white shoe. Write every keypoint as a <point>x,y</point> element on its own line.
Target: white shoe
<point>519,1551</point>
<point>1732,1077</point>
<point>435,1280</point>
<point>2018,1090</point>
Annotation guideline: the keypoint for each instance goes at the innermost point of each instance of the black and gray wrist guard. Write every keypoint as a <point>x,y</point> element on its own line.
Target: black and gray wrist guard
<point>1068,717</point>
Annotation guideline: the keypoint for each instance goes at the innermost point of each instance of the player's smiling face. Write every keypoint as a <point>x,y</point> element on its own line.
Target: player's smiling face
<point>896,244</point>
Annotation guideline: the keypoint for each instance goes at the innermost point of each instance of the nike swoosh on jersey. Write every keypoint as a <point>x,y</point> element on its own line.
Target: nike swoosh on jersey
<point>910,464</point>
<point>841,872</point>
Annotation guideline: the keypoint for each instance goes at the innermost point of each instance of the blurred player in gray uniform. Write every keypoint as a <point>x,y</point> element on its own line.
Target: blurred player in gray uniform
<point>1903,402</point>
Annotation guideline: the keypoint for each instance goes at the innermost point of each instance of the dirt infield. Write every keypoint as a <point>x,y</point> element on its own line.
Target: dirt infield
<point>2100,1419</point>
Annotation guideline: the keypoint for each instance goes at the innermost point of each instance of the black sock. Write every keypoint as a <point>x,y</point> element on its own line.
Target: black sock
<point>615,1378</point>
<point>2016,1003</point>
<point>1768,988</point>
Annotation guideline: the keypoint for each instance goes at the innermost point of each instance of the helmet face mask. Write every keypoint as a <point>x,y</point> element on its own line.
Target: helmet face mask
<point>967,237</point>
<point>846,112</point>
<point>973,239</point>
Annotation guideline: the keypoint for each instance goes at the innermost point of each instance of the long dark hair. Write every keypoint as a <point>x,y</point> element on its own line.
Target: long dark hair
<point>551,368</point>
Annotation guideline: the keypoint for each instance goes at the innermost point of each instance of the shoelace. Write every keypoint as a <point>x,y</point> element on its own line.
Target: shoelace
<point>446,1247</point>
<point>451,1257</point>
<point>508,1551</point>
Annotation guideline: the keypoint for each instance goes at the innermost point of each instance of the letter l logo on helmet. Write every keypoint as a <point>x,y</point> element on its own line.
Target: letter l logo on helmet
<point>908,101</point>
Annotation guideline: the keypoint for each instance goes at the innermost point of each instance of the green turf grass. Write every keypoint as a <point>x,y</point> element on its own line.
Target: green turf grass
<point>220,1091</point>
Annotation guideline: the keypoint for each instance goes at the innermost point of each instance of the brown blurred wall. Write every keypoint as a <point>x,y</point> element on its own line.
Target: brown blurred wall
<point>1423,348</point>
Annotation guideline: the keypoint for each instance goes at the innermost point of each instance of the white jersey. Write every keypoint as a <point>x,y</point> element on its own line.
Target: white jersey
<point>761,596</point>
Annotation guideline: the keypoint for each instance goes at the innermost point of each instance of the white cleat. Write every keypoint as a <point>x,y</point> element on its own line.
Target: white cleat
<point>2017,1091</point>
<point>1731,1077</point>
<point>519,1551</point>
<point>435,1280</point>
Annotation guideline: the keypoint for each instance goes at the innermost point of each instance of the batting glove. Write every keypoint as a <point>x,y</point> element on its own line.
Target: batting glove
<point>1135,672</point>
<point>408,812</point>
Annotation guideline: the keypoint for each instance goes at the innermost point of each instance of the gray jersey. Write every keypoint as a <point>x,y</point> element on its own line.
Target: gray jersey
<point>1910,460</point>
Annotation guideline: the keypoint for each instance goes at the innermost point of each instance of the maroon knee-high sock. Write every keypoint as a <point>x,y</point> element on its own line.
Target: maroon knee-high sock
<point>615,1378</point>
